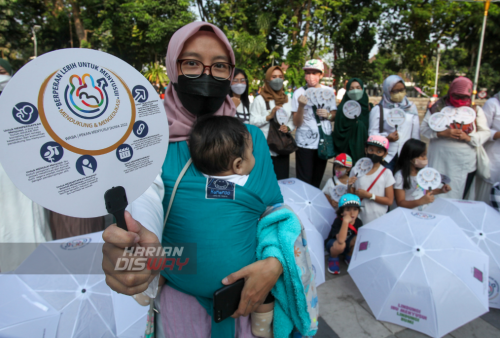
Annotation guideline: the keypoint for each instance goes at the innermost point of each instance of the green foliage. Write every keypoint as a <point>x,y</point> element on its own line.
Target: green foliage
<point>263,33</point>
<point>156,74</point>
<point>137,31</point>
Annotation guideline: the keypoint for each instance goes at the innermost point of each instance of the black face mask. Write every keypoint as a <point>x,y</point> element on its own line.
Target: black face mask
<point>375,158</point>
<point>203,95</point>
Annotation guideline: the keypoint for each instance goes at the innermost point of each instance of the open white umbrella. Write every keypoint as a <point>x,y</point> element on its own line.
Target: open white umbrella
<point>309,201</point>
<point>420,271</point>
<point>23,313</point>
<point>481,223</point>
<point>67,274</point>
<point>315,243</point>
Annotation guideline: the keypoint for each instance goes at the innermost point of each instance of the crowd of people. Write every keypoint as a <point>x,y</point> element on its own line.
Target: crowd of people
<point>244,151</point>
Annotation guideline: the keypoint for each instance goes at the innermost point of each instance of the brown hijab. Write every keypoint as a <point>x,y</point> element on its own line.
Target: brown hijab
<point>269,94</point>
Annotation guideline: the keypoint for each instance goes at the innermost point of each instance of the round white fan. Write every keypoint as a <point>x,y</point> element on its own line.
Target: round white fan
<point>338,191</point>
<point>465,115</point>
<point>396,117</point>
<point>362,167</point>
<point>439,122</point>
<point>281,116</point>
<point>428,178</point>
<point>352,109</point>
<point>449,111</point>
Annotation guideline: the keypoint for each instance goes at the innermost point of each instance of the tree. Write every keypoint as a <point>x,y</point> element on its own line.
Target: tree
<point>136,31</point>
<point>156,74</point>
<point>415,28</point>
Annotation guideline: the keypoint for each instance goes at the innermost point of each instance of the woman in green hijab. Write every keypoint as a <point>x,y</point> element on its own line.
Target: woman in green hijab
<point>350,135</point>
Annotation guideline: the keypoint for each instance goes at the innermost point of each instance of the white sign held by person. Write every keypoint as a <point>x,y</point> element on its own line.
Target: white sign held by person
<point>77,122</point>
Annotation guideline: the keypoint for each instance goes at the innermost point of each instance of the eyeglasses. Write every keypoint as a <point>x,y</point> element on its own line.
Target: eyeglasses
<point>239,81</point>
<point>194,69</point>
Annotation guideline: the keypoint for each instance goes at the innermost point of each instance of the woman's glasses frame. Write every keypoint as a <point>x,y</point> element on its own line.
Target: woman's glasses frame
<point>191,76</point>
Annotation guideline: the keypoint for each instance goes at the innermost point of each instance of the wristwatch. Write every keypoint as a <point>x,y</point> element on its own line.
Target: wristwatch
<point>373,197</point>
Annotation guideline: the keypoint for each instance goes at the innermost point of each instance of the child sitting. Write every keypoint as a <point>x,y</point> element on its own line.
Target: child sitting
<point>375,189</point>
<point>342,237</point>
<point>221,148</point>
<point>408,194</point>
<point>341,169</point>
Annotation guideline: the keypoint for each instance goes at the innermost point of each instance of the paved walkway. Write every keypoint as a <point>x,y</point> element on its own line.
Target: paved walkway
<point>344,313</point>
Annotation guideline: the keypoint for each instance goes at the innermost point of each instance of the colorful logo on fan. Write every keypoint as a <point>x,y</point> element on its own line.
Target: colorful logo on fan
<point>423,215</point>
<point>287,182</point>
<point>494,289</point>
<point>85,96</point>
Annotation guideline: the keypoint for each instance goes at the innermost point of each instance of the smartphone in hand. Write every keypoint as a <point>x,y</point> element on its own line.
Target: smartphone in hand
<point>227,299</point>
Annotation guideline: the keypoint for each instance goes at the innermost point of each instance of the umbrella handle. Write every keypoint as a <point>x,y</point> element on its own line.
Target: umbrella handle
<point>116,202</point>
<point>396,128</point>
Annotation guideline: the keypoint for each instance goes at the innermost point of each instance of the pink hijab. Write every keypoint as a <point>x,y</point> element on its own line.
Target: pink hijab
<point>180,120</point>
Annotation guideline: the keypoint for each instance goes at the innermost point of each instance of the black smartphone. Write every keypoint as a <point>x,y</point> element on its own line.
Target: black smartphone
<point>227,299</point>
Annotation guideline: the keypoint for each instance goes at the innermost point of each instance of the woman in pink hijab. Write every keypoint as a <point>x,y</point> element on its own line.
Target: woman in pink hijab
<point>453,152</point>
<point>200,64</point>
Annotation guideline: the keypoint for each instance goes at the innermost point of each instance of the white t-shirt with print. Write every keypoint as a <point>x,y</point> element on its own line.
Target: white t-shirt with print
<point>412,194</point>
<point>307,135</point>
<point>371,210</point>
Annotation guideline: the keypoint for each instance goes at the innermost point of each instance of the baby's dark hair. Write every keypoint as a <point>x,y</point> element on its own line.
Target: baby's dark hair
<point>216,141</point>
<point>340,210</point>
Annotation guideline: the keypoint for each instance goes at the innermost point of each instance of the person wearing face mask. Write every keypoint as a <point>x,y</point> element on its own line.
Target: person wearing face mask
<point>200,63</point>
<point>375,189</point>
<point>408,194</point>
<point>309,166</point>
<point>394,96</point>
<point>5,73</point>
<point>350,135</point>
<point>263,110</point>
<point>341,168</point>
<point>239,95</point>
<point>453,152</point>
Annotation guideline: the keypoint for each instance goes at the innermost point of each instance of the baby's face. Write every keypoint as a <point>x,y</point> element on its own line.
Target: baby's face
<point>249,161</point>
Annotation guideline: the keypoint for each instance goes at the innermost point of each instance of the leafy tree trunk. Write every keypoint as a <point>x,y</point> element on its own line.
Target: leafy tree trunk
<point>80,30</point>
<point>306,32</point>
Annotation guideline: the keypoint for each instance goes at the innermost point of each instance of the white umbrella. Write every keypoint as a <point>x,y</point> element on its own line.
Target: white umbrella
<point>23,313</point>
<point>420,271</point>
<point>481,223</point>
<point>308,201</point>
<point>67,274</point>
<point>316,246</point>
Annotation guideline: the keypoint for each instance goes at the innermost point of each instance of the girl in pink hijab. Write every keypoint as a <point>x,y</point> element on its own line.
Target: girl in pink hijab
<point>182,115</point>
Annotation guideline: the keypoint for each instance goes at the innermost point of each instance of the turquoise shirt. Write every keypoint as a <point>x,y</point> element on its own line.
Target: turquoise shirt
<point>225,231</point>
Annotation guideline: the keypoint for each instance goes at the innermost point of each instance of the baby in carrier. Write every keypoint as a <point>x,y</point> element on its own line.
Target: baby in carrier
<point>221,148</point>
